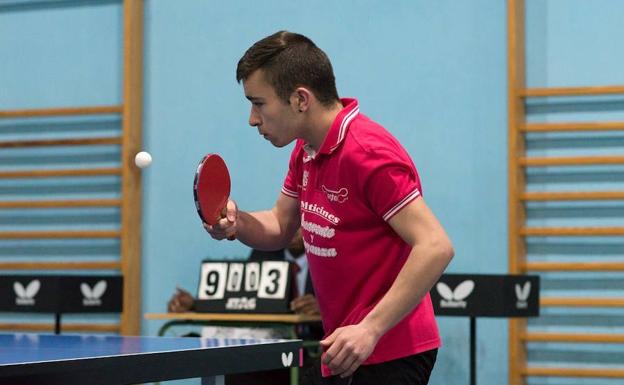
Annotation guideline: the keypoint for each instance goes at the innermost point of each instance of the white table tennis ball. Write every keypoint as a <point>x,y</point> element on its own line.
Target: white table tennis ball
<point>143,159</point>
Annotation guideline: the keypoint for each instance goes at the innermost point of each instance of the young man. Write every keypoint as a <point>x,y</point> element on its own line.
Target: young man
<point>374,248</point>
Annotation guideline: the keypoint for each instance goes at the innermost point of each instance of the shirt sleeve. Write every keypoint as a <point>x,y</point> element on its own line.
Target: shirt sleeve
<point>392,183</point>
<point>293,177</point>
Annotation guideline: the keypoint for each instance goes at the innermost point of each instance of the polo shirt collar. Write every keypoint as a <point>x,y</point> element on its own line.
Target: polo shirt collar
<point>338,129</point>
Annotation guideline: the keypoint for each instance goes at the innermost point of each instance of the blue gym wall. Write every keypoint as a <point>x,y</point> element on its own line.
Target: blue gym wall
<point>432,72</point>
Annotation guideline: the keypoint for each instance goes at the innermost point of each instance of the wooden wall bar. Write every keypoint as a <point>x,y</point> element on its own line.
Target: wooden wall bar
<point>131,176</point>
<point>129,203</point>
<point>516,181</point>
<point>518,162</point>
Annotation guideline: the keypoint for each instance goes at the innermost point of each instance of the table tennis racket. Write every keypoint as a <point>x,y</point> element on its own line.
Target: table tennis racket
<point>211,188</point>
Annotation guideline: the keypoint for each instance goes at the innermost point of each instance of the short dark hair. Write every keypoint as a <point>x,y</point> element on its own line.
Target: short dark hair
<point>290,60</point>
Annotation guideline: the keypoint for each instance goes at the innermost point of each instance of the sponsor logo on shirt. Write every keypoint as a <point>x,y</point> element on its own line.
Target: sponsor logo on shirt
<point>320,251</point>
<point>305,178</point>
<point>313,208</point>
<point>313,228</point>
<point>339,195</point>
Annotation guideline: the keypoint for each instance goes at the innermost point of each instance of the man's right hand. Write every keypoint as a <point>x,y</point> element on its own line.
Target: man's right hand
<point>226,226</point>
<point>181,301</point>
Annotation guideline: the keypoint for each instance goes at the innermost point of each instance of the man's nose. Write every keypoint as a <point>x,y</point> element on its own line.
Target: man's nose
<point>254,119</point>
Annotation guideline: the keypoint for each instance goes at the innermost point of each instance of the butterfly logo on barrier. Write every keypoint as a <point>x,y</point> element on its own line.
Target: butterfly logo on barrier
<point>287,359</point>
<point>92,295</point>
<point>26,295</point>
<point>522,293</point>
<point>455,298</point>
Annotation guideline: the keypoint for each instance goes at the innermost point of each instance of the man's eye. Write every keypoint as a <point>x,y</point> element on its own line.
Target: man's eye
<point>257,104</point>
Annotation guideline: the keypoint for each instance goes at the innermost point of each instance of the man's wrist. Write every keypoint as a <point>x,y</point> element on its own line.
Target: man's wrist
<point>373,326</point>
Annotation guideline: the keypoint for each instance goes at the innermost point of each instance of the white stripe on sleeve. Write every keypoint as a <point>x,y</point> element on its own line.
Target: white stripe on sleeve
<point>292,194</point>
<point>410,197</point>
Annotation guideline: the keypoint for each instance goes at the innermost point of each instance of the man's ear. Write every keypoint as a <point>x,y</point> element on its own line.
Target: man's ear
<point>301,99</point>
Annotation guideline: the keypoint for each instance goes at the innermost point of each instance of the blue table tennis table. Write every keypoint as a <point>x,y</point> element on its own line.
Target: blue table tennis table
<point>112,360</point>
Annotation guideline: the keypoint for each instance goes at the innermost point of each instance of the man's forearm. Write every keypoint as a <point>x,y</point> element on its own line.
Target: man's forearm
<point>422,269</point>
<point>261,230</point>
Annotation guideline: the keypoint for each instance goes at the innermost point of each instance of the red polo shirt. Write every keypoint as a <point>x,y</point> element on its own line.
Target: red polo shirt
<point>358,180</point>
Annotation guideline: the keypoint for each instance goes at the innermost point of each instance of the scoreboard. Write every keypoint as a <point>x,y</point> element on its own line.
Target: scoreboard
<point>244,287</point>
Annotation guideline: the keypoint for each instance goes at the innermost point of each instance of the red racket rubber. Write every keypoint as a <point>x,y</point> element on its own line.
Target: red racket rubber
<point>211,188</point>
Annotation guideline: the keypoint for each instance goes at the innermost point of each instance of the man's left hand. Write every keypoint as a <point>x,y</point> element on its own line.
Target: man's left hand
<point>347,347</point>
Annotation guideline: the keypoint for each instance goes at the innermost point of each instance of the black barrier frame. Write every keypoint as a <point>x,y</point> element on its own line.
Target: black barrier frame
<point>473,350</point>
<point>485,295</point>
<point>64,294</point>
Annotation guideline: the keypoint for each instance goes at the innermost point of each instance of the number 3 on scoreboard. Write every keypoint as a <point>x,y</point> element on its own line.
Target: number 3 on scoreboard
<point>273,279</point>
<point>213,280</point>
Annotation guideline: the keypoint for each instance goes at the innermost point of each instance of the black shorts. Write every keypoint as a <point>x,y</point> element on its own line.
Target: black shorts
<point>410,370</point>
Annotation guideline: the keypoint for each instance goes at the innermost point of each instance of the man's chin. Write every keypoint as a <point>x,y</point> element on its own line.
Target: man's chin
<point>280,144</point>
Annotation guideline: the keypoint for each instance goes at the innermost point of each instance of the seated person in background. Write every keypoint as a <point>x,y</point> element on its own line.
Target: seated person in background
<point>305,303</point>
